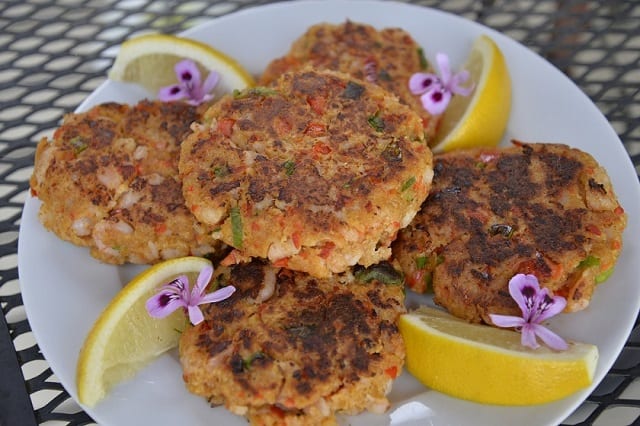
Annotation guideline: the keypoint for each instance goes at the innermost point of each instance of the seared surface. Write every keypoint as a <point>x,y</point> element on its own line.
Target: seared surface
<point>299,352</point>
<point>541,209</point>
<point>108,180</point>
<point>316,173</point>
<point>387,57</point>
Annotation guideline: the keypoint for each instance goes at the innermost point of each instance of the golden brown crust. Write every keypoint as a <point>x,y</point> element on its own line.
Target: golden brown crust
<point>387,57</point>
<point>316,173</point>
<point>544,209</point>
<point>313,347</point>
<point>108,180</point>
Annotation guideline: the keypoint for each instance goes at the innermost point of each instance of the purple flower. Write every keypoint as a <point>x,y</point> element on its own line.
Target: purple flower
<point>176,295</point>
<point>190,85</point>
<point>536,305</point>
<point>437,91</point>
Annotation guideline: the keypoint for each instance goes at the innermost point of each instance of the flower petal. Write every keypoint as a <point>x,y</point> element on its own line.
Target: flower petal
<point>528,337</point>
<point>548,306</point>
<point>218,295</point>
<point>506,320</point>
<point>445,69</point>
<point>201,284</point>
<point>436,100</point>
<point>524,289</point>
<point>550,338</point>
<point>211,82</point>
<point>420,82</point>
<point>457,81</point>
<point>172,93</point>
<point>188,73</point>
<point>195,315</point>
<point>163,304</point>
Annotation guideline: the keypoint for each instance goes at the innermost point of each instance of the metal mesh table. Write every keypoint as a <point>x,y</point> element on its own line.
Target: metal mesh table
<point>54,53</point>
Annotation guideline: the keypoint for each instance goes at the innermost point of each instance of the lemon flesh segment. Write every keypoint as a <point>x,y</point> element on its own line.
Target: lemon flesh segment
<point>489,365</point>
<point>125,338</point>
<point>481,118</point>
<point>149,61</point>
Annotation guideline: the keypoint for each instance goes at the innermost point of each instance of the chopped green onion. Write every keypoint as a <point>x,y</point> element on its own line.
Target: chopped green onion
<point>603,276</point>
<point>589,261</point>
<point>78,145</point>
<point>259,355</point>
<point>421,262</point>
<point>423,59</point>
<point>408,183</point>
<point>376,122</point>
<point>383,272</point>
<point>258,91</point>
<point>236,227</point>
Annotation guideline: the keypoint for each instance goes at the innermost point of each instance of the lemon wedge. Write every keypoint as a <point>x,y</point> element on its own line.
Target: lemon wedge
<point>489,365</point>
<point>149,61</point>
<point>124,338</point>
<point>481,118</point>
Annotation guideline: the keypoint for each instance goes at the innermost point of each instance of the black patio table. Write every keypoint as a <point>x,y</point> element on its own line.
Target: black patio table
<point>596,43</point>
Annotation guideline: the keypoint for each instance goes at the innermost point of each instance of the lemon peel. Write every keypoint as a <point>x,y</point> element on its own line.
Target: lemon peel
<point>481,118</point>
<point>125,337</point>
<point>149,61</point>
<point>489,365</point>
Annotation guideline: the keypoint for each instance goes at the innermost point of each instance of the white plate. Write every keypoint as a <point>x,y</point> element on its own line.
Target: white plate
<point>64,289</point>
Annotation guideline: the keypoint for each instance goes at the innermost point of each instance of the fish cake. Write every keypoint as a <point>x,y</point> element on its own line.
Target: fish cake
<point>542,209</point>
<point>387,57</point>
<point>108,180</point>
<point>316,173</point>
<point>290,349</point>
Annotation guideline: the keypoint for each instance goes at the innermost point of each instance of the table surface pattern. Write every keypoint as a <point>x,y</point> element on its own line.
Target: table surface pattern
<point>53,53</point>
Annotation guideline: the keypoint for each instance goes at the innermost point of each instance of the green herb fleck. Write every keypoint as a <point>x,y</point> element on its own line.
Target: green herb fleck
<point>353,91</point>
<point>300,331</point>
<point>78,145</point>
<point>219,281</point>
<point>603,276</point>
<point>376,122</point>
<point>383,272</point>
<point>236,227</point>
<point>429,262</point>
<point>254,91</point>
<point>589,261</point>
<point>423,59</point>
<point>221,171</point>
<point>428,280</point>
<point>408,183</point>
<point>392,152</point>
<point>289,167</point>
<point>256,356</point>
<point>384,75</point>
